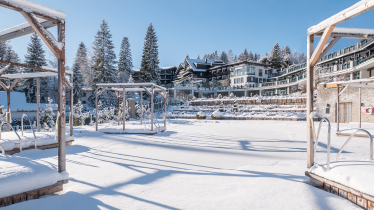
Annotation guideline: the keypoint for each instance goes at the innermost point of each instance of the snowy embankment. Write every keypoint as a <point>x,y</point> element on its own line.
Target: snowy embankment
<point>22,174</point>
<point>10,141</point>
<point>18,102</point>
<point>196,164</point>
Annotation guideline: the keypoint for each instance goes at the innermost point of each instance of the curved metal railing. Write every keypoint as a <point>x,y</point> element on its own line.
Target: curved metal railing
<point>2,150</point>
<point>32,128</point>
<point>328,142</point>
<point>351,136</point>
<point>20,140</point>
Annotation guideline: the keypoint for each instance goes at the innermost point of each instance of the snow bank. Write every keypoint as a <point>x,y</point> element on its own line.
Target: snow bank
<point>18,102</point>
<point>354,174</point>
<point>21,174</point>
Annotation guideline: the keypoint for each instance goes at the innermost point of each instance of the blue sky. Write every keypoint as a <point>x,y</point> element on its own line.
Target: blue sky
<point>193,27</point>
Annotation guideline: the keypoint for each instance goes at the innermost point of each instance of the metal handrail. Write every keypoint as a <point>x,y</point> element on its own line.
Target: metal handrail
<point>32,128</point>
<point>20,140</point>
<point>328,141</point>
<point>2,150</point>
<point>351,136</point>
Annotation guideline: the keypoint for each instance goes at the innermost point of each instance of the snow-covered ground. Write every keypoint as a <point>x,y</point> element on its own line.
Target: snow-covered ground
<point>199,164</point>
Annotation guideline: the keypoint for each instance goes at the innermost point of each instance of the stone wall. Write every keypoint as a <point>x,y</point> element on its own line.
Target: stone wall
<point>329,96</point>
<point>295,101</point>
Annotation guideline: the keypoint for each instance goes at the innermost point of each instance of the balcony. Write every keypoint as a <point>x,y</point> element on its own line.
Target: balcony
<point>362,60</point>
<point>282,82</point>
<point>293,80</point>
<point>266,84</point>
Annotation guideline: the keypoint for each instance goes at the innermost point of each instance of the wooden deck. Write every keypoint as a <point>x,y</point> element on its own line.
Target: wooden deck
<point>361,199</point>
<point>48,146</point>
<point>34,194</point>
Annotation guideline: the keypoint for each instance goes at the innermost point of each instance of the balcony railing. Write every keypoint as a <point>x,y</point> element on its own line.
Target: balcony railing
<point>362,60</point>
<point>281,82</point>
<point>268,84</point>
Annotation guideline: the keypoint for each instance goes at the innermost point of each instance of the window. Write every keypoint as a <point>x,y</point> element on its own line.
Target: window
<point>201,74</point>
<point>266,71</point>
<point>242,80</point>
<point>84,94</point>
<point>251,79</point>
<point>260,72</point>
<point>84,102</point>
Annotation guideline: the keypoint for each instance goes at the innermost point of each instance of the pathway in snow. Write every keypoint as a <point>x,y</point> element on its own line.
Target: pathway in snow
<point>195,165</point>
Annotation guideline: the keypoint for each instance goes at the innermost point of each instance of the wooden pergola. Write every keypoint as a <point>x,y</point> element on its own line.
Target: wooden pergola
<point>48,18</point>
<point>150,88</point>
<point>325,30</point>
<point>8,88</point>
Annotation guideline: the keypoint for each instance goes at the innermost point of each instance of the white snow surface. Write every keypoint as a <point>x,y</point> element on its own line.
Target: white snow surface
<point>199,164</point>
<point>18,102</point>
<point>22,174</point>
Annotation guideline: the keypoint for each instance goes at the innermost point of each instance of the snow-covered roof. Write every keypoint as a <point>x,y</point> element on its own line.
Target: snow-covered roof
<point>192,61</point>
<point>168,67</point>
<point>135,69</point>
<point>35,8</point>
<point>29,75</point>
<point>25,27</point>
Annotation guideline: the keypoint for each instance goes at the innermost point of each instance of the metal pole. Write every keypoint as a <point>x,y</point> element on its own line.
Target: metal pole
<point>141,107</point>
<point>337,110</point>
<point>8,105</point>
<point>152,108</point>
<point>310,141</point>
<point>96,117</point>
<point>71,105</point>
<point>164,109</point>
<point>123,107</point>
<point>38,104</point>
<point>62,101</point>
<point>359,108</point>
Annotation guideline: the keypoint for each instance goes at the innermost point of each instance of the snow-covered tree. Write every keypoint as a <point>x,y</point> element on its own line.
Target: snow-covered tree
<point>77,83</point>
<point>35,56</point>
<point>125,64</point>
<point>100,114</point>
<point>187,57</point>
<point>198,57</point>
<point>149,69</point>
<point>78,116</point>
<point>81,58</point>
<point>246,55</point>
<point>276,59</point>
<point>286,57</point>
<point>241,57</point>
<point>48,115</point>
<point>257,57</point>
<point>230,57</point>
<point>251,57</point>
<point>224,57</point>
<point>104,58</point>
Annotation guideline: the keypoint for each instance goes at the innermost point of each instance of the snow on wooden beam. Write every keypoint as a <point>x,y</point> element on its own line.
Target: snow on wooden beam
<point>134,89</point>
<point>46,36</point>
<point>5,69</point>
<point>23,29</point>
<point>358,8</point>
<point>43,68</point>
<point>353,33</point>
<point>29,75</point>
<point>321,44</point>
<point>31,7</point>
<point>129,84</point>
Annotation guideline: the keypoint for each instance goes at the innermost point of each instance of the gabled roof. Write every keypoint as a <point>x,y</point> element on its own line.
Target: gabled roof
<point>192,62</point>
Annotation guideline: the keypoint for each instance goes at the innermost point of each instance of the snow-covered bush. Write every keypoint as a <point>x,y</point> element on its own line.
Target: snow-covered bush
<point>235,108</point>
<point>100,114</point>
<point>217,115</point>
<point>78,116</point>
<point>47,114</point>
<point>201,115</point>
<point>120,115</point>
<point>2,115</point>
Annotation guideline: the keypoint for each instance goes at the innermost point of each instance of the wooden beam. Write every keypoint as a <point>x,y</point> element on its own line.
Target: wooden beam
<point>5,69</point>
<point>4,86</point>
<point>45,69</point>
<point>38,104</point>
<point>352,33</point>
<point>353,11</point>
<point>328,47</point>
<point>332,85</point>
<point>45,35</point>
<point>39,10</point>
<point>321,44</point>
<point>344,89</point>
<point>149,92</point>
<point>9,34</point>
<point>13,84</point>
<point>309,103</point>
<point>101,91</point>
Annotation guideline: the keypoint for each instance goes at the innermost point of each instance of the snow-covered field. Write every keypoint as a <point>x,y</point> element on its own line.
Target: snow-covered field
<point>199,164</point>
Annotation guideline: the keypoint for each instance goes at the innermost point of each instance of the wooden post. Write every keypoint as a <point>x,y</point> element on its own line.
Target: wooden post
<point>118,98</point>
<point>337,109</point>
<point>152,108</point>
<point>164,108</point>
<point>71,106</point>
<point>123,108</point>
<point>141,107</point>
<point>22,125</point>
<point>8,105</point>
<point>96,117</point>
<point>38,104</point>
<point>62,100</point>
<point>359,108</point>
<point>310,140</point>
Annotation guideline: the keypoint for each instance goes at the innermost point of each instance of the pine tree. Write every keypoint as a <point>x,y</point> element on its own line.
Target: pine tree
<point>198,57</point>
<point>149,69</point>
<point>35,57</point>
<point>48,115</point>
<point>77,83</point>
<point>104,58</point>
<point>82,59</point>
<point>187,57</point>
<point>224,57</point>
<point>125,64</point>
<point>286,56</point>
<point>246,56</point>
<point>257,57</point>
<point>241,57</point>
<point>230,57</point>
<point>251,57</point>
<point>78,116</point>
<point>205,56</point>
<point>275,60</point>
<point>235,59</point>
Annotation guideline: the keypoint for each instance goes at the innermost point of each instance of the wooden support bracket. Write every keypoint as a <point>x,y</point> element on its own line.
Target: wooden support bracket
<point>328,46</point>
<point>5,69</point>
<point>13,84</point>
<point>344,89</point>
<point>101,91</point>
<point>321,44</point>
